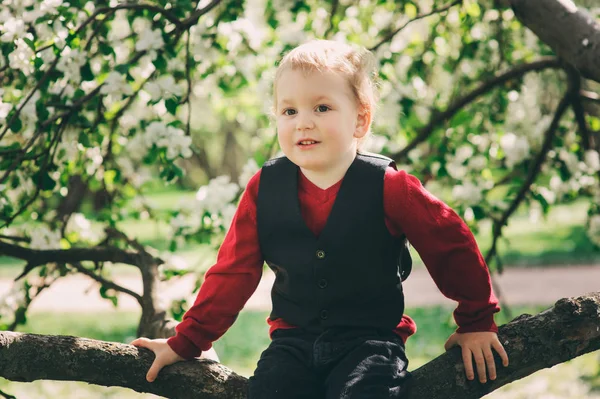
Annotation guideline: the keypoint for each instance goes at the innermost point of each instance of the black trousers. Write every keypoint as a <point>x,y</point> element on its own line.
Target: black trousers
<point>340,363</point>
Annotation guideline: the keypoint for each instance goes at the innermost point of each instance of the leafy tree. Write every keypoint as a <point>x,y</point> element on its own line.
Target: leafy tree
<point>98,97</point>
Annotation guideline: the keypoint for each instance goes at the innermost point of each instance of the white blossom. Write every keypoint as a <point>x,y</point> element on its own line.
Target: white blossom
<point>248,170</point>
<point>12,29</point>
<point>570,160</point>
<point>592,160</point>
<point>44,238</point>
<point>70,63</point>
<point>219,192</point>
<point>467,193</point>
<point>478,162</point>
<point>78,224</point>
<point>176,143</point>
<point>29,112</point>
<point>20,58</point>
<point>162,86</point>
<point>149,40</point>
<point>375,143</point>
<point>115,84</point>
<point>516,148</point>
<point>4,110</point>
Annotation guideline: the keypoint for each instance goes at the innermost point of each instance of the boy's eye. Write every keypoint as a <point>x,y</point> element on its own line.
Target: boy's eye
<point>289,111</point>
<point>323,108</point>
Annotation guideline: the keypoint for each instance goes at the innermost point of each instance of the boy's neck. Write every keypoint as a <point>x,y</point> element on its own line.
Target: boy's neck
<point>327,178</point>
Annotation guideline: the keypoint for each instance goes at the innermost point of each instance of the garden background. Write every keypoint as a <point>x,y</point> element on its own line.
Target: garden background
<point>129,130</point>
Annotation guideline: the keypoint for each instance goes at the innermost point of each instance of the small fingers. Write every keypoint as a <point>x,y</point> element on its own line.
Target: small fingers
<point>500,349</point>
<point>480,363</point>
<point>143,342</point>
<point>489,361</point>
<point>468,362</point>
<point>154,370</point>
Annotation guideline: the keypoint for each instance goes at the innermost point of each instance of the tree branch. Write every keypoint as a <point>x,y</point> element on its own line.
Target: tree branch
<point>580,47</point>
<point>193,19</point>
<point>391,35</point>
<point>36,257</point>
<point>440,116</point>
<point>568,330</point>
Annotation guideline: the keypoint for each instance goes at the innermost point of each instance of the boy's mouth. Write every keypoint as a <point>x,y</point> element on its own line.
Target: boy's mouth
<point>307,142</point>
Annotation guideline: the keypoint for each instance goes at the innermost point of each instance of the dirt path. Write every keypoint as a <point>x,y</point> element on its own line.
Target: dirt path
<point>518,286</point>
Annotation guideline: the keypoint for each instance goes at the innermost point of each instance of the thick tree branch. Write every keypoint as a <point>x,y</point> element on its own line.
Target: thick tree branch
<point>37,257</point>
<point>570,31</point>
<point>440,116</point>
<point>568,330</point>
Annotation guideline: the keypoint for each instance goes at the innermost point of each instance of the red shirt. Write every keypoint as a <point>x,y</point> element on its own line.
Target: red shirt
<point>442,239</point>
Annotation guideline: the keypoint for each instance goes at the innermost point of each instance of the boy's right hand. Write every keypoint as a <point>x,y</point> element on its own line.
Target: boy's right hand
<point>164,355</point>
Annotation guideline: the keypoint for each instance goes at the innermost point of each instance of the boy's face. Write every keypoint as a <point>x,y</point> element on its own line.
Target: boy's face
<point>318,121</point>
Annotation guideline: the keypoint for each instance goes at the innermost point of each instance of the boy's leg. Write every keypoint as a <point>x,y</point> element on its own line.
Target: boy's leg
<point>374,366</point>
<point>285,371</point>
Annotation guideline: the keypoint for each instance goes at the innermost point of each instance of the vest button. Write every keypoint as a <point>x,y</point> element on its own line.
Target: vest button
<point>320,254</point>
<point>322,283</point>
<point>324,314</point>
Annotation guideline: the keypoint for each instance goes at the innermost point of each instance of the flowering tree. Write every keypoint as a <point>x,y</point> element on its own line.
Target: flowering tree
<point>98,97</point>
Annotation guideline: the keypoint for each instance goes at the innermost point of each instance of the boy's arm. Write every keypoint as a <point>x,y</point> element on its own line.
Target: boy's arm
<point>227,285</point>
<point>454,261</point>
<point>446,246</point>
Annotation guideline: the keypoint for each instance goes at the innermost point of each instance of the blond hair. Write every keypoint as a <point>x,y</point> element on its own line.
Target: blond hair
<point>356,65</point>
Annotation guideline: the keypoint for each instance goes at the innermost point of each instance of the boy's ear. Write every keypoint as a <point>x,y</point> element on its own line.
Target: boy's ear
<point>363,122</point>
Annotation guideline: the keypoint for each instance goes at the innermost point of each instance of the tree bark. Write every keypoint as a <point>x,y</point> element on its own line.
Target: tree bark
<point>570,31</point>
<point>570,329</point>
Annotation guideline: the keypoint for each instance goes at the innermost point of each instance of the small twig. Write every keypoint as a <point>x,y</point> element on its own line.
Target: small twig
<point>14,238</point>
<point>6,395</point>
<point>106,283</point>
<point>334,7</point>
<point>193,19</point>
<point>391,35</point>
<point>188,77</point>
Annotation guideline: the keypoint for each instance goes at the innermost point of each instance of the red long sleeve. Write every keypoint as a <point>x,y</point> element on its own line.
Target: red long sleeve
<point>446,246</point>
<point>443,241</point>
<point>227,285</point>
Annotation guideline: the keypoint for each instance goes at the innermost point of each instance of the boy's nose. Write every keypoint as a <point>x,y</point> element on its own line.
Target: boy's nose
<point>304,122</point>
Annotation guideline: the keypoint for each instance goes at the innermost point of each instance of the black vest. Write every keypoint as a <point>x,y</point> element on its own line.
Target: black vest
<point>350,275</point>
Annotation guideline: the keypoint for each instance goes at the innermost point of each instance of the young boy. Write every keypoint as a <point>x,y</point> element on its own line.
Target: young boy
<point>331,223</point>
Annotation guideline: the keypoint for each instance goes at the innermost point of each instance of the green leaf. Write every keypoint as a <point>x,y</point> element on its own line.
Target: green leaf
<point>86,72</point>
<point>160,63</point>
<point>42,111</point>
<point>16,125</point>
<point>171,105</point>
<point>84,140</point>
<point>43,180</point>
<point>29,42</point>
<point>112,298</point>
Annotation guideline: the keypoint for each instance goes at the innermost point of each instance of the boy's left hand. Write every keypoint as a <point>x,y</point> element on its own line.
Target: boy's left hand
<point>478,346</point>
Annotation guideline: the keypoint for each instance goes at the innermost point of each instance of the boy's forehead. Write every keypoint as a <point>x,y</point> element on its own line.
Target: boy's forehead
<point>315,85</point>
